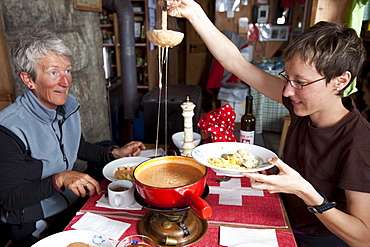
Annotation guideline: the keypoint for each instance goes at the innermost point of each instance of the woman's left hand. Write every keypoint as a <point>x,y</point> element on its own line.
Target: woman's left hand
<point>130,149</point>
<point>287,180</point>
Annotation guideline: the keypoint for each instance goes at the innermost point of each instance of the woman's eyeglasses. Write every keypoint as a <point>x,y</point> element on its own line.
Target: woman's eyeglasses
<point>296,84</point>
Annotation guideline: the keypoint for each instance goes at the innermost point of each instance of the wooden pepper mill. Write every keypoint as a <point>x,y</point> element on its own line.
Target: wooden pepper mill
<point>188,113</point>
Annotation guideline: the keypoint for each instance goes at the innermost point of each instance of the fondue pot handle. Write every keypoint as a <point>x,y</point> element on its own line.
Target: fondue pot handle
<point>199,206</point>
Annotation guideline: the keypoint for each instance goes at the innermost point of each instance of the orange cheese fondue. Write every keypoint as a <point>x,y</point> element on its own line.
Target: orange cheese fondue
<point>169,175</point>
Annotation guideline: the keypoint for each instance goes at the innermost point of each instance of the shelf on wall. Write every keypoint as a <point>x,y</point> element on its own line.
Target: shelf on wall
<point>110,29</point>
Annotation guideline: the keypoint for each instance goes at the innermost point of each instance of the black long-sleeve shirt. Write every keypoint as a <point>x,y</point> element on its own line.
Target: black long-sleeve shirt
<point>20,187</point>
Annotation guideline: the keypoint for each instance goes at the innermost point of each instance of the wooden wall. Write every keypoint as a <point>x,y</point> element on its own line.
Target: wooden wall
<point>329,10</point>
<point>266,48</point>
<point>308,13</point>
<point>6,82</point>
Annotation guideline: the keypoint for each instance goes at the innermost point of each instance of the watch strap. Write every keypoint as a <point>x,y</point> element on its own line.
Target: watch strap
<point>326,205</point>
<point>110,152</point>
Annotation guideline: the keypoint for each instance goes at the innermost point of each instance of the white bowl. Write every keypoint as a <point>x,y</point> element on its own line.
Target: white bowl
<point>215,149</point>
<point>178,139</point>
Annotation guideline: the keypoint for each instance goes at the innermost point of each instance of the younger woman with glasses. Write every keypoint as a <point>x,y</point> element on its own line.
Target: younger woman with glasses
<point>324,173</point>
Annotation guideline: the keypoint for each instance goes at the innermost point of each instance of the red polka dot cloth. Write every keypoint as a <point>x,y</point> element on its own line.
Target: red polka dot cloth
<point>220,123</point>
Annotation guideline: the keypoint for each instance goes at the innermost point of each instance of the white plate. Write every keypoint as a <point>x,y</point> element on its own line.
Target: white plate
<point>110,168</point>
<point>253,245</point>
<point>215,149</point>
<point>63,239</point>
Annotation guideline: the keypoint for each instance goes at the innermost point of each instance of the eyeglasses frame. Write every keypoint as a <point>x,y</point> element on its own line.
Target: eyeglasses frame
<point>296,84</point>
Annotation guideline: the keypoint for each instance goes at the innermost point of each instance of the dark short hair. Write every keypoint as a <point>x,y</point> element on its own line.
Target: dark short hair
<point>331,47</point>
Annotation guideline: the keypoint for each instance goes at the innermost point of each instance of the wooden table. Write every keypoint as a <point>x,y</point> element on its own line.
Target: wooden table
<point>263,211</point>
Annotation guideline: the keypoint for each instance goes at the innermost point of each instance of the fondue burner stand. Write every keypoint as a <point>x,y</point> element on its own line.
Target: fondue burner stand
<point>172,226</point>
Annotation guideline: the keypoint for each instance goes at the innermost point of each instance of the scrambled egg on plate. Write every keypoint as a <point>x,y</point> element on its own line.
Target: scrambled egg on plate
<point>240,160</point>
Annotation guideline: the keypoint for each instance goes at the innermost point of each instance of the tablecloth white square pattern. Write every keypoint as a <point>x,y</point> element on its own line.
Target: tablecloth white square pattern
<point>231,192</point>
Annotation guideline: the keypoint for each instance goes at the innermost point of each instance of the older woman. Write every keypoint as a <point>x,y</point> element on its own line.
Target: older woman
<point>325,176</point>
<point>40,140</point>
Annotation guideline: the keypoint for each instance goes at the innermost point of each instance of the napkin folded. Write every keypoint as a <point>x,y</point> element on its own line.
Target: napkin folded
<point>232,236</point>
<point>103,202</point>
<point>151,152</point>
<point>220,123</point>
<point>112,229</point>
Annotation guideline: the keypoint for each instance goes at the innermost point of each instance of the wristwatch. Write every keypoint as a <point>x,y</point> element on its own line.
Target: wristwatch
<point>326,205</point>
<point>111,157</point>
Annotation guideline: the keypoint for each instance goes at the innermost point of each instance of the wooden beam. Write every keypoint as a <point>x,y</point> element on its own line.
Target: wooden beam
<point>328,10</point>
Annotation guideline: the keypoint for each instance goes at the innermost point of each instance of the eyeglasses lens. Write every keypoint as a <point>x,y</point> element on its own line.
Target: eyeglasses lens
<point>294,84</point>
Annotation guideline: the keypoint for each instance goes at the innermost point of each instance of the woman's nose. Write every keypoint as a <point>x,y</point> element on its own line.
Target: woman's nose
<point>65,80</point>
<point>289,90</point>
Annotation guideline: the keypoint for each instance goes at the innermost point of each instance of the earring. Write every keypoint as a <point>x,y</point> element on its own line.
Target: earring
<point>30,86</point>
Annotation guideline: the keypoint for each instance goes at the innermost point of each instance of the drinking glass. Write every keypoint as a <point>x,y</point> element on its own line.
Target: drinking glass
<point>136,240</point>
<point>169,153</point>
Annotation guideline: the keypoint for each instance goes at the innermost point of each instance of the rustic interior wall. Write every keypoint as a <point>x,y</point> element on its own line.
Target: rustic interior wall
<point>80,29</point>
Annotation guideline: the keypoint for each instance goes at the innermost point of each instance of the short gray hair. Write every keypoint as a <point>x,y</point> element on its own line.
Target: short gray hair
<point>34,46</point>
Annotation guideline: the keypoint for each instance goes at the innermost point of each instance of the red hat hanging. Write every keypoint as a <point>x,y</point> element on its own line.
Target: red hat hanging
<point>220,123</point>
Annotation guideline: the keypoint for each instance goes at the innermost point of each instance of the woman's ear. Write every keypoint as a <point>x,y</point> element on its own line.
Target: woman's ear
<point>27,79</point>
<point>342,81</point>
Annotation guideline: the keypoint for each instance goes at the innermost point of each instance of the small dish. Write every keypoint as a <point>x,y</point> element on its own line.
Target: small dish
<point>178,139</point>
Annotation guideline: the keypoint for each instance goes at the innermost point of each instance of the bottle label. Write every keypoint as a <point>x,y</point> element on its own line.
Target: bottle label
<point>246,137</point>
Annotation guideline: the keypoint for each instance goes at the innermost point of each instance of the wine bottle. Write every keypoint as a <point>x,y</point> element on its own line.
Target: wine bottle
<point>248,123</point>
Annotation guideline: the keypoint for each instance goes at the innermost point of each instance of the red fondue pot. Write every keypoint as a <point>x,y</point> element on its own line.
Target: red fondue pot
<point>173,197</point>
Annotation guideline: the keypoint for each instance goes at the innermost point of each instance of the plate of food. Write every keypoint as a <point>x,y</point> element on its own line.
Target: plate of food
<point>253,245</point>
<point>122,169</point>
<point>233,158</point>
<point>75,238</point>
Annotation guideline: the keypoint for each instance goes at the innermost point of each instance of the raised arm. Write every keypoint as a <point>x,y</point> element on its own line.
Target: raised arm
<point>225,51</point>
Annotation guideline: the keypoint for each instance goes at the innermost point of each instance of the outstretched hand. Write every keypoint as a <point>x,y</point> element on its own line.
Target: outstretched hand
<point>287,180</point>
<point>130,149</point>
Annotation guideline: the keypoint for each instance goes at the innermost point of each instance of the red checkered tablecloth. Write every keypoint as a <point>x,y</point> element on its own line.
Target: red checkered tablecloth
<point>211,238</point>
<point>258,209</point>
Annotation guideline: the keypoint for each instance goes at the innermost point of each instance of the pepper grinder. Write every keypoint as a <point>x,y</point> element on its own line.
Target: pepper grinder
<point>188,113</point>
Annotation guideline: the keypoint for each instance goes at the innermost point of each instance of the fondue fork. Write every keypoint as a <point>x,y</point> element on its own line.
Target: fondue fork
<point>222,179</point>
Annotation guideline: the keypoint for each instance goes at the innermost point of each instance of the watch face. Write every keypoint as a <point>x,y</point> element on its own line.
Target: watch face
<point>312,210</point>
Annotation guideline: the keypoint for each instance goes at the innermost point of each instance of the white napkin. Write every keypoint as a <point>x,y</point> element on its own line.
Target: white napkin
<point>104,203</point>
<point>151,152</point>
<point>232,236</point>
<point>112,229</point>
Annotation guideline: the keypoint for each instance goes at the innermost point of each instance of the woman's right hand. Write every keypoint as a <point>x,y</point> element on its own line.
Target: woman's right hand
<point>181,8</point>
<point>79,183</point>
